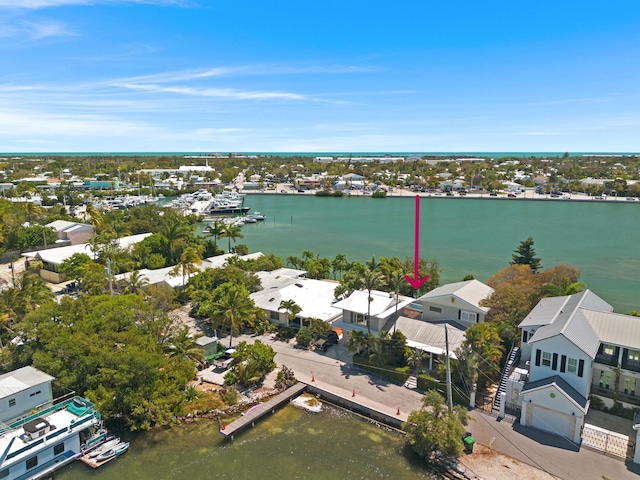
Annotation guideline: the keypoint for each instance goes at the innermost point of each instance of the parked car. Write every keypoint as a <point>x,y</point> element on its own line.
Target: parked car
<point>224,360</point>
<point>326,340</point>
<point>512,195</point>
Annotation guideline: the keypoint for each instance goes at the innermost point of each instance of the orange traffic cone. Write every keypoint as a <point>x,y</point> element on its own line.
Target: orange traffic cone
<point>398,412</point>
<point>313,379</point>
<point>353,394</point>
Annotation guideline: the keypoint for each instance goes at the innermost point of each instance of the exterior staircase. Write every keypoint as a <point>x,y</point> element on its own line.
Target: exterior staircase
<point>411,383</point>
<point>512,362</point>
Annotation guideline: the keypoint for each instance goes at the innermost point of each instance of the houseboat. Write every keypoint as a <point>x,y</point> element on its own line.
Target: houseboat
<point>39,434</point>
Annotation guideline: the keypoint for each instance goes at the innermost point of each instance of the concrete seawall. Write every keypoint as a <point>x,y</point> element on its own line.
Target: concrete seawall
<point>354,406</point>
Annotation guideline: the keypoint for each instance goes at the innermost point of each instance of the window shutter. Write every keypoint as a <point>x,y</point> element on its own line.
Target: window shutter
<point>563,363</point>
<point>524,336</point>
<point>580,368</point>
<point>554,362</point>
<point>537,358</point>
<point>459,314</point>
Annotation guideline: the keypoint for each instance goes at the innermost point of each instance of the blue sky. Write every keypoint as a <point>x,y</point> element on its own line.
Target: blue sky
<point>324,76</point>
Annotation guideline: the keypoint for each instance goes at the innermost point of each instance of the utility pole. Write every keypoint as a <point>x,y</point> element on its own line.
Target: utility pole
<point>446,340</point>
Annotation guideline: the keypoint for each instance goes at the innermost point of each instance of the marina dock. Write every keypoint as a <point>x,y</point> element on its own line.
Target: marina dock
<point>269,407</point>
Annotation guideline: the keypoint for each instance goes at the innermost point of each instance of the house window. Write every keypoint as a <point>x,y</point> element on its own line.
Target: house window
<point>12,402</point>
<point>524,336</point>
<point>435,309</point>
<point>358,318</point>
<point>630,386</point>
<point>605,379</point>
<point>468,316</point>
<point>58,449</point>
<point>32,462</point>
<point>274,315</point>
<point>634,355</point>
<point>546,359</point>
<point>572,365</point>
<point>608,349</point>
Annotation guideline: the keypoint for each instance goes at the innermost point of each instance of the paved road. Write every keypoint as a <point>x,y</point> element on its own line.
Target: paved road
<point>332,371</point>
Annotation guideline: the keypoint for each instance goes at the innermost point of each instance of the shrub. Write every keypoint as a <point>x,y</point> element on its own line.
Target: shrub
<point>398,374</point>
<point>304,337</point>
<point>379,194</point>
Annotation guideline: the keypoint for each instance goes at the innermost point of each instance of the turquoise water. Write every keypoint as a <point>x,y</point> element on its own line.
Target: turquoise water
<point>467,236</point>
<point>290,444</point>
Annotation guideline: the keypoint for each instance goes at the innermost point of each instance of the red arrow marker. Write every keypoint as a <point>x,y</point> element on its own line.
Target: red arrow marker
<point>416,282</point>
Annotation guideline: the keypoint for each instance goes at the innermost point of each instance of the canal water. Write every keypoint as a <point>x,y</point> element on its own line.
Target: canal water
<point>291,444</point>
<point>467,236</point>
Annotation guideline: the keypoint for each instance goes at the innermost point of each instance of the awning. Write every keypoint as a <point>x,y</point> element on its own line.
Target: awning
<point>429,348</point>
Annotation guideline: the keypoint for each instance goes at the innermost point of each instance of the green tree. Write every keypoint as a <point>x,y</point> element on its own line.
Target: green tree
<point>292,309</point>
<point>183,346</point>
<point>525,254</point>
<point>434,429</point>
<point>216,230</point>
<point>134,283</point>
<point>175,233</point>
<point>251,363</point>
<point>232,232</point>
<point>230,308</point>
<point>372,280</point>
<point>188,264</point>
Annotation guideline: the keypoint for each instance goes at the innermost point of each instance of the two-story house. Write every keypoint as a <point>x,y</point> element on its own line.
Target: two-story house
<point>459,302</point>
<point>575,346</point>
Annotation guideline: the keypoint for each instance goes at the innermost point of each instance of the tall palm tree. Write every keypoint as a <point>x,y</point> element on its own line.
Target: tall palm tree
<point>174,232</point>
<point>566,287</point>
<point>188,264</point>
<point>95,217</point>
<point>371,280</point>
<point>231,309</point>
<point>395,281</point>
<point>135,282</point>
<point>339,265</point>
<point>216,230</point>
<point>232,232</point>
<point>292,309</point>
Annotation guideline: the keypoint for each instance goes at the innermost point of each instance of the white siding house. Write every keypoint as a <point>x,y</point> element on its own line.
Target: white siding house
<point>23,390</point>
<point>573,346</point>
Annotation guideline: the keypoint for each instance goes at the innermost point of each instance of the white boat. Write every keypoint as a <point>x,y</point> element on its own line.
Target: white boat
<point>104,447</point>
<point>119,449</point>
<point>36,446</point>
<point>257,216</point>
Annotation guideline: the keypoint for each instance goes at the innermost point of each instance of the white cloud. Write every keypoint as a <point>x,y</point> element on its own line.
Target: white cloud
<point>33,30</point>
<point>37,4</point>
<point>216,92</point>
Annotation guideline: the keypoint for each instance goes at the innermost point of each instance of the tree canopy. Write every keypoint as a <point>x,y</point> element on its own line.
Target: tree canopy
<point>525,254</point>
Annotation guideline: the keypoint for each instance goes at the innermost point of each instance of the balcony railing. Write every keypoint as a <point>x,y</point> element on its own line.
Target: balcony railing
<point>632,365</point>
<point>609,393</point>
<point>605,359</point>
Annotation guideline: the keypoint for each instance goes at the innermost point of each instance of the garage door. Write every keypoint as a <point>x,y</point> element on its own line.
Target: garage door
<point>550,421</point>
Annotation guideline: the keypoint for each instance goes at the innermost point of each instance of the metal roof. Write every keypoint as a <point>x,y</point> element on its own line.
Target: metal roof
<point>22,379</point>
<point>561,385</point>
<point>470,291</point>
<point>566,316</point>
<point>615,328</point>
<point>430,336</point>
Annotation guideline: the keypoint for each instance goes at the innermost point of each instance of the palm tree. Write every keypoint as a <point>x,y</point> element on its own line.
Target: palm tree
<point>232,232</point>
<point>415,359</point>
<point>339,265</point>
<point>187,265</point>
<point>135,282</point>
<point>292,309</point>
<point>371,280</point>
<point>174,232</point>
<point>183,346</point>
<point>95,217</point>
<point>216,230</point>
<point>231,309</point>
<point>566,287</point>
<point>395,281</point>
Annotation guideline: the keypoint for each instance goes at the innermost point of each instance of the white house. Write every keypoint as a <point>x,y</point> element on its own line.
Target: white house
<point>315,298</point>
<point>23,390</point>
<point>383,309</point>
<point>459,301</point>
<point>574,347</point>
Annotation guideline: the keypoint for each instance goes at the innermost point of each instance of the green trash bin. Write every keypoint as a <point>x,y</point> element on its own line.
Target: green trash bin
<point>468,443</point>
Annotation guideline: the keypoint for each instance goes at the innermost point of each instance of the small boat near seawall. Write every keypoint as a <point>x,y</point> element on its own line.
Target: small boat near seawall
<point>108,445</point>
<point>119,449</point>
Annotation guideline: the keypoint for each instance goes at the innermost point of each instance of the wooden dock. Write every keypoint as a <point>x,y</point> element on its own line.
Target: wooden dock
<point>250,417</point>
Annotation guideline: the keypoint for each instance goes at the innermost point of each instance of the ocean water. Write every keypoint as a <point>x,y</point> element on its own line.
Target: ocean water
<point>465,235</point>
<point>291,444</point>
